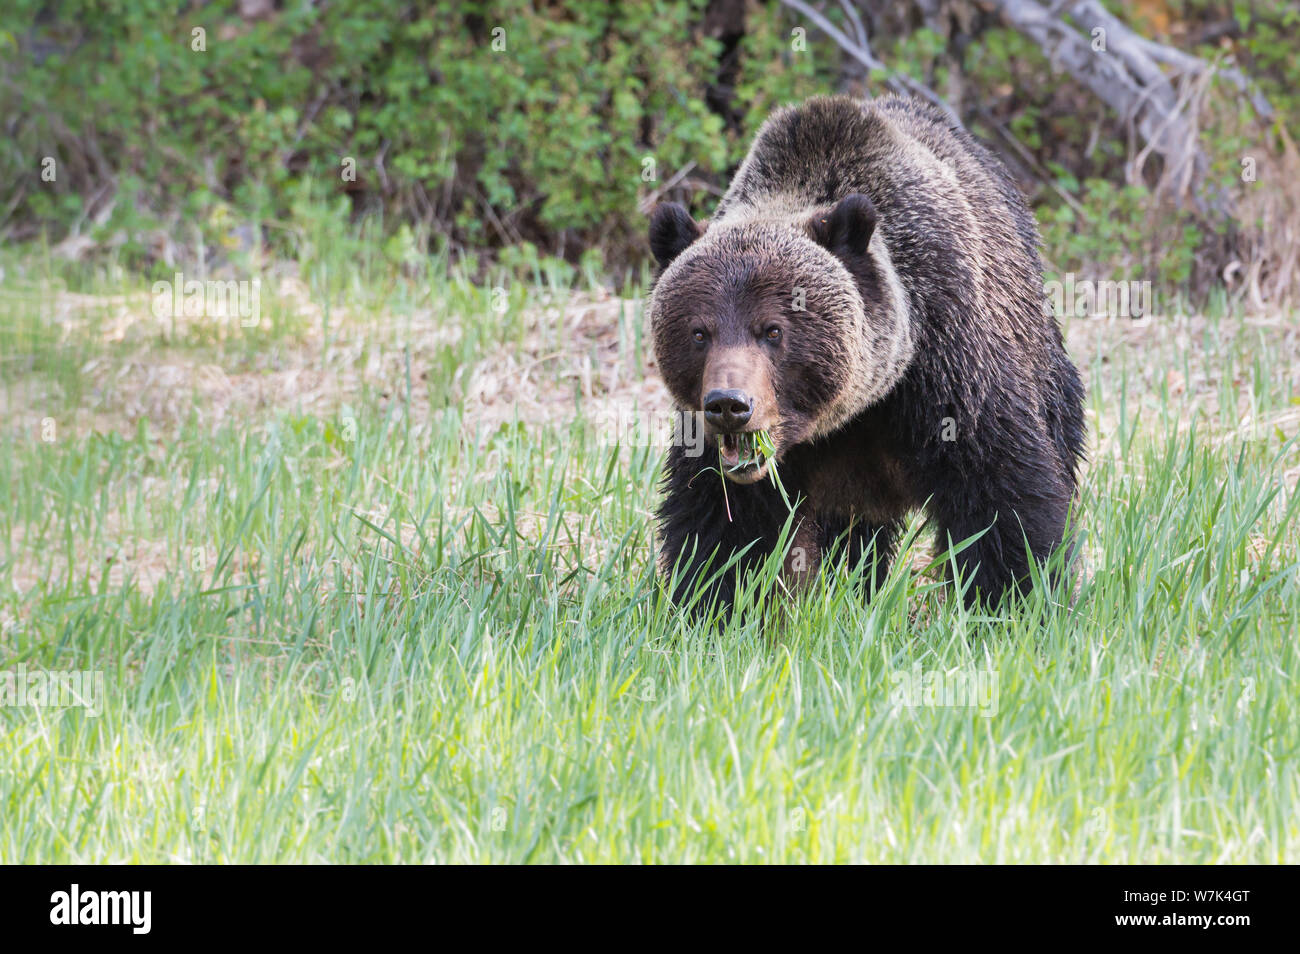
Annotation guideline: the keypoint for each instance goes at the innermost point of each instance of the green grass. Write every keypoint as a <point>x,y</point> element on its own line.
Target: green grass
<point>372,627</point>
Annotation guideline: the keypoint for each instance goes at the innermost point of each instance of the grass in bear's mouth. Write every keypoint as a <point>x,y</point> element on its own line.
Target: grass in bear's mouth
<point>752,449</point>
<point>746,447</point>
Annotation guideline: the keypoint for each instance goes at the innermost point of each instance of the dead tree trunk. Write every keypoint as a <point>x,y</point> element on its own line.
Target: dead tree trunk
<point>1156,90</point>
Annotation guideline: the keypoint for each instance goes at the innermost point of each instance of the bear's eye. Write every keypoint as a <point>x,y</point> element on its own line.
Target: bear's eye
<point>773,334</point>
<point>698,335</point>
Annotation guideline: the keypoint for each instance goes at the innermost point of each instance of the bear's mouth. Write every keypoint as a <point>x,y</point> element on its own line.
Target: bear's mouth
<point>742,455</point>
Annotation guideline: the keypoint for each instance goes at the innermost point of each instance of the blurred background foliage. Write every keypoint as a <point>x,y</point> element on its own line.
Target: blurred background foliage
<point>515,132</point>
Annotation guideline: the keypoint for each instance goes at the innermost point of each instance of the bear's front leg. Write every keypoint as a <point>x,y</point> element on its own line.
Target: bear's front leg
<point>701,528</point>
<point>864,544</point>
<point>1020,500</point>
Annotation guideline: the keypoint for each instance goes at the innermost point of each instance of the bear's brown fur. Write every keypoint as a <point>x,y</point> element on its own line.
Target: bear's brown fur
<point>869,291</point>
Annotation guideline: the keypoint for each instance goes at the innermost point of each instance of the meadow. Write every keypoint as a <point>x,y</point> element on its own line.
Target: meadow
<point>372,580</point>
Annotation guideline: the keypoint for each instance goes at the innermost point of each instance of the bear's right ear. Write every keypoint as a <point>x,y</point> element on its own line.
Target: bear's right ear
<point>672,230</point>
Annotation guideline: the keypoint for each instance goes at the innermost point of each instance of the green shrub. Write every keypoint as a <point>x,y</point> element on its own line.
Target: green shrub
<point>551,137</point>
<point>534,126</point>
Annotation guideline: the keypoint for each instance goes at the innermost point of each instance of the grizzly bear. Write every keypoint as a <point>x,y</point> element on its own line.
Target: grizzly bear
<point>868,293</point>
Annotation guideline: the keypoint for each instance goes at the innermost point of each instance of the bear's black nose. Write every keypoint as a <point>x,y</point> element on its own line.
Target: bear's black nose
<point>728,410</point>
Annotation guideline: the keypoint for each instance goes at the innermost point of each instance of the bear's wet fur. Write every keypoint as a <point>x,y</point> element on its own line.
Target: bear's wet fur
<point>871,285</point>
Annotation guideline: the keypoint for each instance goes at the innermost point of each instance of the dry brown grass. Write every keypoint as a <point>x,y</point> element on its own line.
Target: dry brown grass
<point>568,361</point>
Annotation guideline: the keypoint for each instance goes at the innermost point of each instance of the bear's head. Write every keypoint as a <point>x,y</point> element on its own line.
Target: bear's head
<point>791,324</point>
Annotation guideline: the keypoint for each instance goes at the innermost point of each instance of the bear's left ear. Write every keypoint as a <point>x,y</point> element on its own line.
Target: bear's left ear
<point>847,228</point>
<point>672,230</point>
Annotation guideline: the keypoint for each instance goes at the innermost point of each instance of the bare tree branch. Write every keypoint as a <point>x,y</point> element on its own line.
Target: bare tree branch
<point>898,82</point>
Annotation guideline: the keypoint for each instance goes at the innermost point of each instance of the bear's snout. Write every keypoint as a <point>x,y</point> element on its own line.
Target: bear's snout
<point>736,391</point>
<point>738,404</point>
<point>728,409</point>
